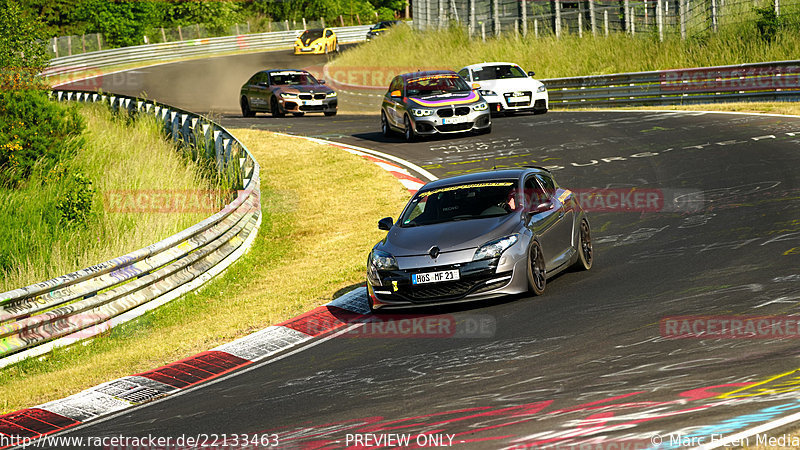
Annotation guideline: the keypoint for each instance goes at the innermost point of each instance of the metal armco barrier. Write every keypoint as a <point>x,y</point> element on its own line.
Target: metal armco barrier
<point>58,312</point>
<point>184,49</point>
<point>769,81</point>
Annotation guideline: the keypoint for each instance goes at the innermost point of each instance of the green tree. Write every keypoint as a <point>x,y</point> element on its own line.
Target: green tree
<point>22,48</point>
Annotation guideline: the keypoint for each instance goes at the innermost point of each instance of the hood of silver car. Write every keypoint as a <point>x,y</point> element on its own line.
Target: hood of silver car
<point>448,236</point>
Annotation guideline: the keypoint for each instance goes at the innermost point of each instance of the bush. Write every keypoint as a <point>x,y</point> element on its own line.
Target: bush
<point>75,203</point>
<point>768,23</point>
<point>35,134</point>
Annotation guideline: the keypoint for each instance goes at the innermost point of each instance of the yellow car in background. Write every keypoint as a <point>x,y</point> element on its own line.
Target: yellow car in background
<point>316,41</point>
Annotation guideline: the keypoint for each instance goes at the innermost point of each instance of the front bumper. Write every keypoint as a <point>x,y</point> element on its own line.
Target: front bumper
<point>445,120</point>
<point>313,50</point>
<point>539,101</point>
<point>299,105</point>
<point>478,280</point>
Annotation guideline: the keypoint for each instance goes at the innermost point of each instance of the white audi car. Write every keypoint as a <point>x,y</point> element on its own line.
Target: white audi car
<point>506,87</point>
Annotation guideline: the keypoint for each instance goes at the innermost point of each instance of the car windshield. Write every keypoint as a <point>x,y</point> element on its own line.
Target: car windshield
<point>292,78</point>
<point>462,202</point>
<point>435,84</point>
<point>497,72</point>
<point>311,35</point>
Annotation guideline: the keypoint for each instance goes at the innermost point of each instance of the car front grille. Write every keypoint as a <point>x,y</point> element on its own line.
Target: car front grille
<point>312,96</point>
<point>443,290</point>
<point>508,95</point>
<point>312,108</point>
<point>454,127</point>
<point>450,112</point>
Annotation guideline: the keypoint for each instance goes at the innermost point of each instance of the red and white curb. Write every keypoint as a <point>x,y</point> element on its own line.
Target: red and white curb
<point>25,426</point>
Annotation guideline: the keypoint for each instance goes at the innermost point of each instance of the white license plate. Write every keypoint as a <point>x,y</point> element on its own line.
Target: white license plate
<point>523,98</point>
<point>312,102</point>
<point>435,277</point>
<point>452,120</point>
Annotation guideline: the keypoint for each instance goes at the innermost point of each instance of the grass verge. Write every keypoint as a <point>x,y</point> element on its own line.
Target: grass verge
<point>320,208</point>
<point>118,156</point>
<point>571,55</point>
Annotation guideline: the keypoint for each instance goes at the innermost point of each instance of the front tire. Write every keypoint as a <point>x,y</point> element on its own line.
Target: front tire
<point>585,250</point>
<point>330,113</point>
<point>246,111</point>
<point>299,114</point>
<point>275,109</point>
<point>386,130</point>
<point>537,273</point>
<point>409,132</point>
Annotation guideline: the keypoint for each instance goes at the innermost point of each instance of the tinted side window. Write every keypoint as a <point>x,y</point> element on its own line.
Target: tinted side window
<point>328,33</point>
<point>464,73</point>
<point>548,184</point>
<point>534,194</point>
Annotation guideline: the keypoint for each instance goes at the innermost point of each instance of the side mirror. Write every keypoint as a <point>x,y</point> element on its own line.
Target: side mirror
<point>542,207</point>
<point>396,94</point>
<point>531,74</point>
<point>385,223</point>
<point>321,81</point>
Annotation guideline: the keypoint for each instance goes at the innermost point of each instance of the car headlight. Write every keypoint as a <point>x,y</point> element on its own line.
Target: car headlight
<point>494,249</point>
<point>486,92</point>
<point>541,89</point>
<point>421,112</point>
<point>330,94</point>
<point>481,107</point>
<point>381,260</point>
<point>288,95</point>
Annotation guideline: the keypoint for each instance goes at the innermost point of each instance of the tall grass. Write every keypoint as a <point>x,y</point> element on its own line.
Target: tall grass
<point>36,244</point>
<point>404,49</point>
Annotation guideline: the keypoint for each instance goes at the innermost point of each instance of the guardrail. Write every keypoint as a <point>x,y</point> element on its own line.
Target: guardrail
<point>778,81</point>
<point>185,49</point>
<point>83,304</point>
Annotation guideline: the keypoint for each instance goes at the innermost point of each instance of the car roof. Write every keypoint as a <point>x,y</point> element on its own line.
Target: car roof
<point>423,73</point>
<point>285,70</point>
<point>493,63</point>
<point>491,175</point>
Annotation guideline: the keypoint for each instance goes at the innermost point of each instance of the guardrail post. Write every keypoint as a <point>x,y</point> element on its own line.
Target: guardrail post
<point>471,21</point>
<point>304,23</point>
<point>536,28</point>
<point>286,24</point>
<point>660,20</point>
<point>592,18</point>
<point>605,22</point>
<point>580,22</point>
<point>627,12</point>
<point>180,33</point>
<point>714,15</point>
<point>682,13</point>
<point>483,31</point>
<point>558,18</point>
<point>777,7</point>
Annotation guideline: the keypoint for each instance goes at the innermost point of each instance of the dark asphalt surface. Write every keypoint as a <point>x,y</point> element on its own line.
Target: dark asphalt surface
<point>587,359</point>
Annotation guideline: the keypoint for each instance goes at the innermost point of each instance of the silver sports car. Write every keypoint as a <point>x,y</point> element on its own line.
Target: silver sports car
<point>478,236</point>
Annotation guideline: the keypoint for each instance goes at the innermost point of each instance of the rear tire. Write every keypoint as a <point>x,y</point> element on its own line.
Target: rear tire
<point>275,109</point>
<point>585,250</point>
<point>246,111</point>
<point>409,132</point>
<point>537,273</point>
